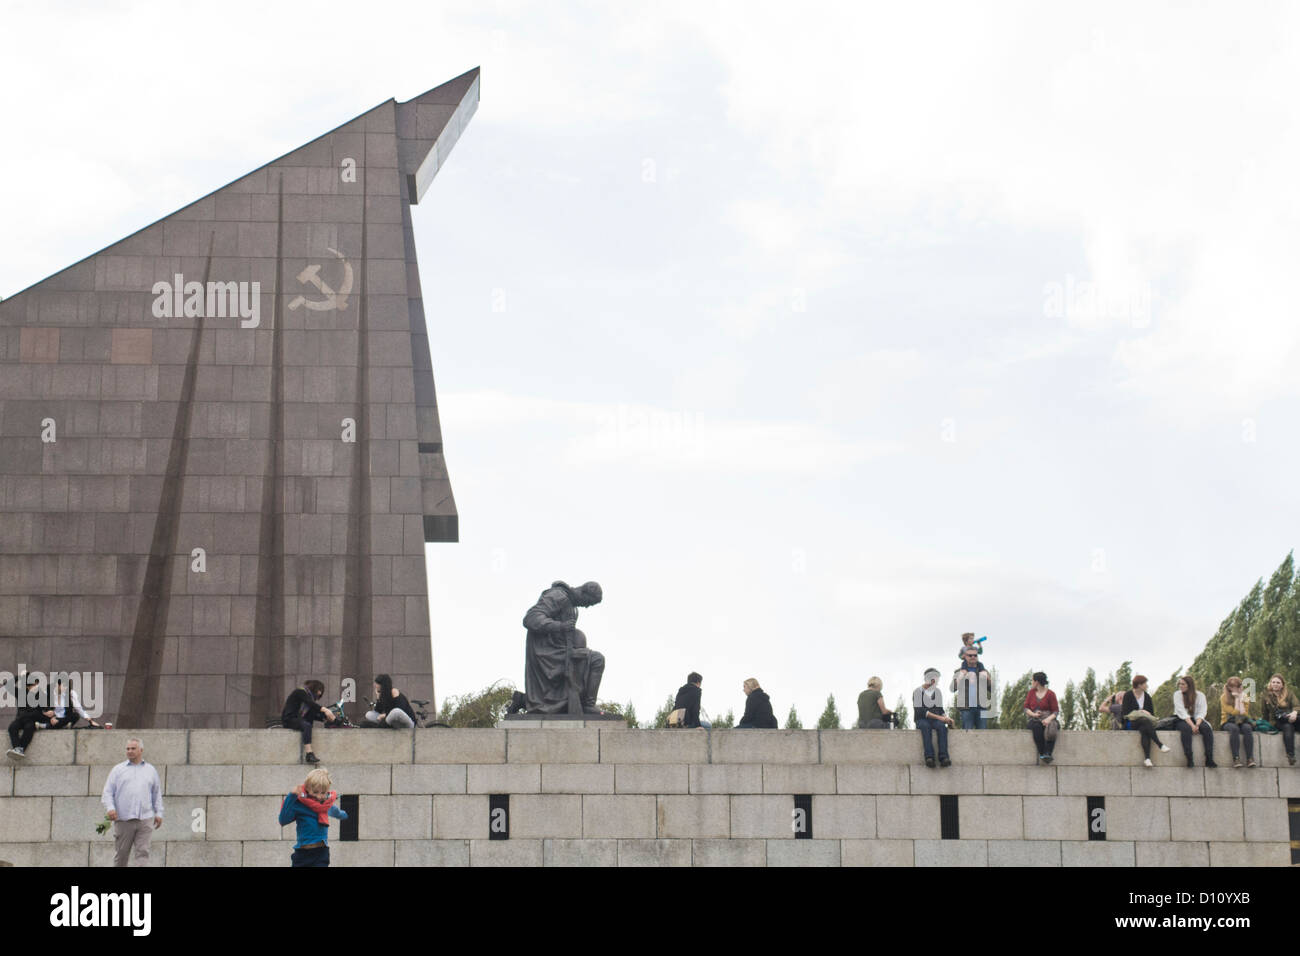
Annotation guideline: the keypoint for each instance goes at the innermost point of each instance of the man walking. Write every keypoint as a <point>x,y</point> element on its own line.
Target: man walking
<point>927,711</point>
<point>133,799</point>
<point>973,686</point>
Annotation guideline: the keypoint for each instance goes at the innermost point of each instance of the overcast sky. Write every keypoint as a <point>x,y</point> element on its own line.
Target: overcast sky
<point>816,336</point>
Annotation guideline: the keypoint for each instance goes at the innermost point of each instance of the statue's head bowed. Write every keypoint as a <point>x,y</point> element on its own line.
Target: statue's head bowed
<point>584,596</point>
<point>589,594</point>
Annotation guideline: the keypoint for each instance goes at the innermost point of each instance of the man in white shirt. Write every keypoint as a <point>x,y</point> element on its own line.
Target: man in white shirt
<point>133,799</point>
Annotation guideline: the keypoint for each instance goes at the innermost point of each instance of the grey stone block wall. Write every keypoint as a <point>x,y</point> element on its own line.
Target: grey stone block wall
<point>425,799</point>
<point>186,431</point>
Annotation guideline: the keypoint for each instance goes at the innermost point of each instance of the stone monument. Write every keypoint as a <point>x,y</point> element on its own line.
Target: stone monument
<point>561,673</point>
<point>220,452</point>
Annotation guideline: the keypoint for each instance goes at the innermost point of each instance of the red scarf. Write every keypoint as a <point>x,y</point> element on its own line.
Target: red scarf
<point>322,808</point>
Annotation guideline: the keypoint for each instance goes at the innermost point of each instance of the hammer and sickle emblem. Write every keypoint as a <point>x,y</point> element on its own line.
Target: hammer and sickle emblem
<point>334,300</point>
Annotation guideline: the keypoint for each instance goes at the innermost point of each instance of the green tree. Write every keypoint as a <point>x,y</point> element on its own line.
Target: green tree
<point>626,711</point>
<point>1123,677</point>
<point>830,718</point>
<point>483,709</point>
<point>1162,698</point>
<point>661,715</point>
<point>725,723</point>
<point>903,715</point>
<point>1013,704</point>
<point>792,720</point>
<point>1069,706</point>
<point>1089,698</point>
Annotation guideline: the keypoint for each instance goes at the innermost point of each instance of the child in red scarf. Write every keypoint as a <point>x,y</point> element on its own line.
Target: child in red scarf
<point>310,807</point>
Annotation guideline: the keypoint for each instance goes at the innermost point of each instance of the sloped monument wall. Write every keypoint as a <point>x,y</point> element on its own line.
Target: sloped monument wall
<point>251,377</point>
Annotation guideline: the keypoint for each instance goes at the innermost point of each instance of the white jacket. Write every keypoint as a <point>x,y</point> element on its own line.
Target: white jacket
<point>1181,710</point>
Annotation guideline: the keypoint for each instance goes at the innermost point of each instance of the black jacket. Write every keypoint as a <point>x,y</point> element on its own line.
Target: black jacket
<point>394,703</point>
<point>34,714</point>
<point>293,707</point>
<point>689,697</point>
<point>758,711</point>
<point>1131,704</point>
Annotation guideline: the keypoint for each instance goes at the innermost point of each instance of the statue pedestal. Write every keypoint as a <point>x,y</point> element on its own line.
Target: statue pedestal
<point>561,721</point>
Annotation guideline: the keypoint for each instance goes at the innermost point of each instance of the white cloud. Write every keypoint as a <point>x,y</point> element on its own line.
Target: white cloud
<point>647,437</point>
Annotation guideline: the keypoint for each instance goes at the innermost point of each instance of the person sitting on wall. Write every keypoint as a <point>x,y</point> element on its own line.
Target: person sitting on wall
<point>688,699</point>
<point>1190,708</point>
<point>1137,713</point>
<point>301,712</point>
<point>872,712</point>
<point>928,715</point>
<point>1234,707</point>
<point>392,709</point>
<point>1281,708</point>
<point>1113,707</point>
<point>23,727</point>
<point>67,708</point>
<point>1043,713</point>
<point>758,708</point>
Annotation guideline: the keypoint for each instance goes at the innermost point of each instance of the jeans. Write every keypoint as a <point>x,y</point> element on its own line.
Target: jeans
<point>303,724</point>
<point>1149,736</point>
<point>925,725</point>
<point>1045,746</point>
<point>21,731</point>
<point>1235,733</point>
<point>972,718</point>
<point>316,856</point>
<point>1288,736</point>
<point>395,718</point>
<point>1186,733</point>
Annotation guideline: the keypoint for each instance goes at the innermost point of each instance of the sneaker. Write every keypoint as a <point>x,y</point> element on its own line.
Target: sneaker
<point>1189,762</point>
<point>311,757</point>
<point>1147,762</point>
<point>929,762</point>
<point>17,752</point>
<point>1047,758</point>
<point>1164,749</point>
<point>1210,764</point>
<point>1236,763</point>
<point>945,762</point>
<point>1290,758</point>
<point>1251,762</point>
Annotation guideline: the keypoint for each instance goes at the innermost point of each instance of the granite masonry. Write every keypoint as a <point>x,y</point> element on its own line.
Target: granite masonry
<point>220,452</point>
<point>608,796</point>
